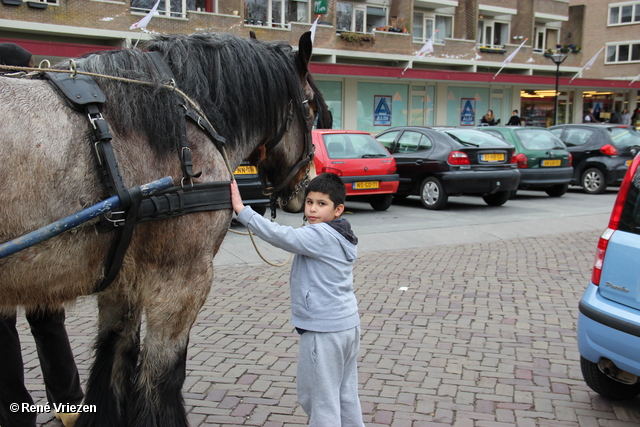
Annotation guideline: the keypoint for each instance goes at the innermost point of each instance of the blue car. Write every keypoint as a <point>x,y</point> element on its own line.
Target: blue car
<point>609,317</point>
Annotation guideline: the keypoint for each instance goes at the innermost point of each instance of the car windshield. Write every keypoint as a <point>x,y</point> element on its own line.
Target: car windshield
<point>474,138</point>
<point>623,137</point>
<point>353,146</point>
<point>538,139</point>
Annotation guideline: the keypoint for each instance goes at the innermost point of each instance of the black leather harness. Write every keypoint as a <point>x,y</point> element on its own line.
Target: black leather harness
<point>85,94</point>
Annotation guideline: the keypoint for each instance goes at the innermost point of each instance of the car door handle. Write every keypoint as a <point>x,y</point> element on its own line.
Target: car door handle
<point>419,162</point>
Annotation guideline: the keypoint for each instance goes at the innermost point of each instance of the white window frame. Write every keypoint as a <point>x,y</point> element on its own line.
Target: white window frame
<point>280,20</point>
<point>617,46</point>
<point>427,20</point>
<point>164,10</point>
<point>543,30</point>
<point>635,12</point>
<point>488,23</point>
<point>433,17</point>
<point>362,8</point>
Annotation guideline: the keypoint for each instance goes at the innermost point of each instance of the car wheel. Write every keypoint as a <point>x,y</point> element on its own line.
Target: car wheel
<point>497,199</point>
<point>605,385</point>
<point>381,202</point>
<point>512,194</point>
<point>593,181</point>
<point>557,190</point>
<point>432,194</point>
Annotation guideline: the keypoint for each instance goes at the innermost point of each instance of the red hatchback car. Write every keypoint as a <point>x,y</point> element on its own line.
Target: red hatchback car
<point>365,166</point>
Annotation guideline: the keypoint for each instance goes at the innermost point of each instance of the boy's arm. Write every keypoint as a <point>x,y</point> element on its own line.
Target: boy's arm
<point>236,200</point>
<point>283,237</point>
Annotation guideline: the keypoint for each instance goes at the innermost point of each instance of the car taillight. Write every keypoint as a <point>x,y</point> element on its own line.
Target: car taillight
<point>522,161</point>
<point>599,258</point>
<point>609,150</point>
<point>614,221</point>
<point>570,160</point>
<point>331,170</point>
<point>458,158</point>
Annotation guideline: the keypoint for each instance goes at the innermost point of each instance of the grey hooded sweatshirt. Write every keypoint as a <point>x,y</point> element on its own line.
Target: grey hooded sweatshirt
<point>321,281</point>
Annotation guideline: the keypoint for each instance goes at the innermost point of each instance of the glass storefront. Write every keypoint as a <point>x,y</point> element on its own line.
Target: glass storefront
<point>466,105</point>
<point>332,93</point>
<point>537,107</point>
<point>382,105</point>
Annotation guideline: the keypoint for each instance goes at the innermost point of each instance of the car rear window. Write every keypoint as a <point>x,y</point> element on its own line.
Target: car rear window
<point>353,146</point>
<point>476,138</point>
<point>574,137</point>
<point>630,218</point>
<point>538,139</point>
<point>623,137</point>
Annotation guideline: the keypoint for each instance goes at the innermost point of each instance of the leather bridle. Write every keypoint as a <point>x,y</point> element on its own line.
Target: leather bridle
<point>305,160</point>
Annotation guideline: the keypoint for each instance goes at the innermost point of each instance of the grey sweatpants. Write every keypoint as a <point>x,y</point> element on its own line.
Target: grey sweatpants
<point>328,378</point>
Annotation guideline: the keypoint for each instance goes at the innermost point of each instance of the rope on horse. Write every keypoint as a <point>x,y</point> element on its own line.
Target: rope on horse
<point>255,246</point>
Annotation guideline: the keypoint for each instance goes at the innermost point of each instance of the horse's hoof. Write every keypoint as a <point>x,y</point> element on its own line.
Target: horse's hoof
<point>68,418</point>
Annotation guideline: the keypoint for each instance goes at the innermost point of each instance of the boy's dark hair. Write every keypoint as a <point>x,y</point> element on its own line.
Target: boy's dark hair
<point>330,184</point>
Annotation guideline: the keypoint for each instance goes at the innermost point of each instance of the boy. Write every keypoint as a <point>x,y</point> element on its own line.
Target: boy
<point>324,309</point>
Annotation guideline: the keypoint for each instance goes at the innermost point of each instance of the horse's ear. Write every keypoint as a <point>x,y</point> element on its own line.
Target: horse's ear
<point>252,35</point>
<point>305,48</point>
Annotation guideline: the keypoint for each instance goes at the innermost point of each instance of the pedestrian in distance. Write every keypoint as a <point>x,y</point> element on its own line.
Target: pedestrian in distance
<point>625,117</point>
<point>489,119</point>
<point>514,120</point>
<point>589,117</point>
<point>59,370</point>
<point>324,309</point>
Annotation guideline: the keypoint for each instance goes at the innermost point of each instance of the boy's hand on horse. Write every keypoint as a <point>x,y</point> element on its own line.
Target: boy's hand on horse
<point>236,199</point>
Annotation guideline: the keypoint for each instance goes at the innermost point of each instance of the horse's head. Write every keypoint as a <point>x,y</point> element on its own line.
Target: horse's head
<point>286,162</point>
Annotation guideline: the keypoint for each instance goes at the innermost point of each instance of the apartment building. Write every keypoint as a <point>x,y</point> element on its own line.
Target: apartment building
<point>486,54</point>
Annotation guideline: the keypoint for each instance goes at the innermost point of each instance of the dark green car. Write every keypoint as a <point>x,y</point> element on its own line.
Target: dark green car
<point>543,160</point>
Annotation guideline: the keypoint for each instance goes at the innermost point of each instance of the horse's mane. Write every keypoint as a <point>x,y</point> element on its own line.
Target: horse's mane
<point>244,87</point>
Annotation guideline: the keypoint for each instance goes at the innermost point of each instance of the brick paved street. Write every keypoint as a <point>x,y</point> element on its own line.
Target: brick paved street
<point>479,334</point>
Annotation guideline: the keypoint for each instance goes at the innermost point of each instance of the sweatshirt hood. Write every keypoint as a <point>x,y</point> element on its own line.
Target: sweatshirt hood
<point>343,227</point>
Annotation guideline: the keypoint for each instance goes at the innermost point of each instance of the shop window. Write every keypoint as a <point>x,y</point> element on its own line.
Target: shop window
<point>359,18</point>
<point>628,13</point>
<point>276,13</point>
<point>425,24</point>
<point>624,52</point>
<point>492,34</point>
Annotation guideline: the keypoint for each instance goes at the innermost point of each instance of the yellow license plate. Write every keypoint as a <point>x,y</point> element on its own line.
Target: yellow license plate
<point>366,185</point>
<point>245,170</point>
<point>493,157</point>
<point>557,162</point>
<point>628,163</point>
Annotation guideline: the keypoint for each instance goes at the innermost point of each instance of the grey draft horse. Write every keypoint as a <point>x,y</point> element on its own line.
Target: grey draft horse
<point>254,94</point>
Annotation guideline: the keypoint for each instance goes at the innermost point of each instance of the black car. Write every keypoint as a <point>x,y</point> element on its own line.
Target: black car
<point>601,153</point>
<point>251,188</point>
<point>437,163</point>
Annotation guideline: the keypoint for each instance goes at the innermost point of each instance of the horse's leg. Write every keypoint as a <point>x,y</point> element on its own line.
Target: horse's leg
<point>117,350</point>
<point>157,395</point>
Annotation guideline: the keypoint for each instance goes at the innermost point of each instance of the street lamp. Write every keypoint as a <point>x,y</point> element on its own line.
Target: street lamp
<point>557,58</point>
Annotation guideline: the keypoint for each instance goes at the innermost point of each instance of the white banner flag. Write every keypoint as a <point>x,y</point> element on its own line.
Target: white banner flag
<point>313,29</point>
<point>588,64</point>
<point>515,52</point>
<point>427,48</point>
<point>145,21</point>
